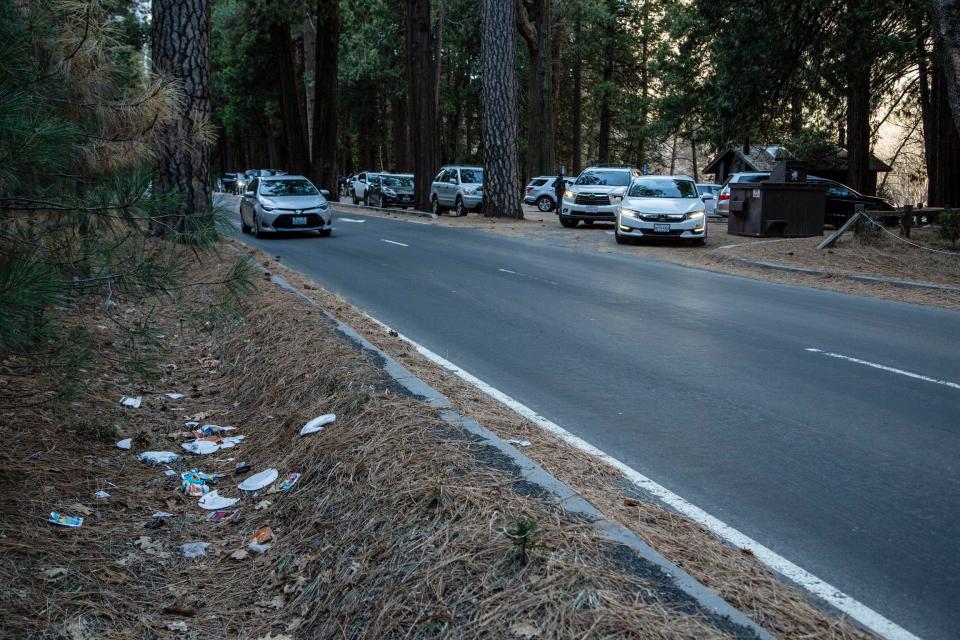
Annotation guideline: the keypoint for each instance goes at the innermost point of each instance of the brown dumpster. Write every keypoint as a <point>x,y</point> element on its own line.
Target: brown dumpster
<point>786,206</point>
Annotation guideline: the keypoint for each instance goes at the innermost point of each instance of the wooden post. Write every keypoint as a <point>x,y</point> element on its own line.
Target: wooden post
<point>906,220</point>
<point>858,228</point>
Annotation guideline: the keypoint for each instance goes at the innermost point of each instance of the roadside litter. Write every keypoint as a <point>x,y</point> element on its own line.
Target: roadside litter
<point>213,501</point>
<point>131,401</point>
<point>200,447</point>
<point>241,467</point>
<point>259,548</point>
<point>101,495</point>
<point>259,480</point>
<point>290,481</point>
<point>519,443</point>
<point>174,396</point>
<point>223,515</point>
<point>161,514</point>
<point>65,520</point>
<point>195,549</point>
<point>125,443</point>
<point>158,457</point>
<point>169,472</point>
<point>262,535</point>
<point>194,483</point>
<point>318,423</point>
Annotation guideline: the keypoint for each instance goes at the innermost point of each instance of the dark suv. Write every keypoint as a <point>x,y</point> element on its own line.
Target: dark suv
<point>391,190</point>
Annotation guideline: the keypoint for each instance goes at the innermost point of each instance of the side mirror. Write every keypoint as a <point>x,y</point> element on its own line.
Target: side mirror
<point>249,194</point>
<point>324,192</point>
<point>707,196</point>
<point>452,180</point>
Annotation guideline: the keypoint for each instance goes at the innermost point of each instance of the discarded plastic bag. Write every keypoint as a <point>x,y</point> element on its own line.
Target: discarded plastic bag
<point>213,501</point>
<point>131,401</point>
<point>259,548</point>
<point>158,457</point>
<point>259,480</point>
<point>194,483</point>
<point>101,494</point>
<point>64,520</point>
<point>222,516</point>
<point>195,549</point>
<point>232,441</point>
<point>519,443</point>
<point>174,396</point>
<point>200,447</point>
<point>318,423</point>
<point>126,443</point>
<point>262,535</point>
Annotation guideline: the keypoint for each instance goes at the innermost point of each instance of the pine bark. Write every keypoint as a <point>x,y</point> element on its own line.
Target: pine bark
<point>309,72</point>
<point>606,113</point>
<point>294,128</point>
<point>422,78</point>
<point>325,111</point>
<point>536,29</point>
<point>945,23</point>
<point>500,118</point>
<point>577,106</point>
<point>180,49</point>
<point>858,63</point>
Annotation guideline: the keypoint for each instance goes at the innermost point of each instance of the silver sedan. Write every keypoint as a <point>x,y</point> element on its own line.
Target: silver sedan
<point>284,203</point>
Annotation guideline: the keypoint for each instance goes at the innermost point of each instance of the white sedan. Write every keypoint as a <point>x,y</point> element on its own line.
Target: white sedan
<point>662,207</point>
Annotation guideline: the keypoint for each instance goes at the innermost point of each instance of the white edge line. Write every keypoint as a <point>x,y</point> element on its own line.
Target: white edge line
<point>863,614</point>
<point>882,367</point>
<point>507,271</point>
<point>394,242</point>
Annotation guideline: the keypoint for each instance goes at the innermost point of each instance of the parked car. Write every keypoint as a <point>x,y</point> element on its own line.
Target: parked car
<point>661,207</point>
<point>841,203</point>
<point>541,192</point>
<point>227,183</point>
<point>709,193</point>
<point>360,185</point>
<point>595,195</point>
<point>458,188</point>
<point>391,190</point>
<point>723,198</point>
<point>273,204</point>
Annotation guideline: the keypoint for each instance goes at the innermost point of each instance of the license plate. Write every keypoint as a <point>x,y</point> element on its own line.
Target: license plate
<point>661,228</point>
<point>592,210</point>
<point>299,220</point>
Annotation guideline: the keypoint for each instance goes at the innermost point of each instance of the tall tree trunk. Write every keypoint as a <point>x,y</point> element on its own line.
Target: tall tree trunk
<point>180,49</point>
<point>945,24</point>
<point>858,64</point>
<point>421,75</point>
<point>398,112</point>
<point>325,113</point>
<point>606,113</point>
<point>536,30</point>
<point>644,83</point>
<point>943,140</point>
<point>294,129</point>
<point>577,107</point>
<point>500,119</point>
<point>309,73</point>
<point>693,154</point>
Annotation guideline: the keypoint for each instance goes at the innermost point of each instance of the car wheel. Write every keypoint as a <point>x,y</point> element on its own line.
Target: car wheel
<point>325,233</point>
<point>460,209</point>
<point>435,206</point>
<point>568,222</point>
<point>619,238</point>
<point>244,227</point>
<point>366,199</point>
<point>699,242</point>
<point>588,223</point>
<point>256,227</point>
<point>545,204</point>
<point>356,200</point>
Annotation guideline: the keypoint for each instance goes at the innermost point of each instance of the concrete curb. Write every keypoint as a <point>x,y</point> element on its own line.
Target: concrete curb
<point>402,212</point>
<point>533,473</point>
<point>911,284</point>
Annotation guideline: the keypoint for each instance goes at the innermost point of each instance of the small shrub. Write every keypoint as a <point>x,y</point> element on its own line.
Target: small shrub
<point>521,535</point>
<point>950,226</point>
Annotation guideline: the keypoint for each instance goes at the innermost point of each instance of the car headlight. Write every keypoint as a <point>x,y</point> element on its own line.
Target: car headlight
<point>568,194</point>
<point>266,208</point>
<point>630,213</point>
<point>615,198</point>
<point>695,215</point>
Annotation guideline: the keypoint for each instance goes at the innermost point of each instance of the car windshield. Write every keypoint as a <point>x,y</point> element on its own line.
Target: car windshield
<point>287,188</point>
<point>471,176</point>
<point>398,181</point>
<point>605,178</point>
<point>663,188</point>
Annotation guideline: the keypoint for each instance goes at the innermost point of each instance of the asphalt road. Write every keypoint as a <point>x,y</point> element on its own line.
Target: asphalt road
<point>703,382</point>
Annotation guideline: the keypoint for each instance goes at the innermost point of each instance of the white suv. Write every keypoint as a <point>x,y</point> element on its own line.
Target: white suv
<point>662,207</point>
<point>595,195</point>
<point>458,188</point>
<point>360,186</point>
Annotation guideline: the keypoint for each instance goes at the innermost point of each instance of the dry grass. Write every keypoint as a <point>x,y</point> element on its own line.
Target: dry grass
<point>394,530</point>
<point>737,576</point>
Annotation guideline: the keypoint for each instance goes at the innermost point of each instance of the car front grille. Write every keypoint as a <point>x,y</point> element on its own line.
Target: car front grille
<point>286,221</point>
<point>662,217</point>
<point>595,199</point>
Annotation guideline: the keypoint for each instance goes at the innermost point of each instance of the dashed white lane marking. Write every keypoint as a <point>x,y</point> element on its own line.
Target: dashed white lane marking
<point>909,374</point>
<point>860,612</point>
<point>507,271</point>
<point>609,233</point>
<point>399,244</point>
<point>349,220</point>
